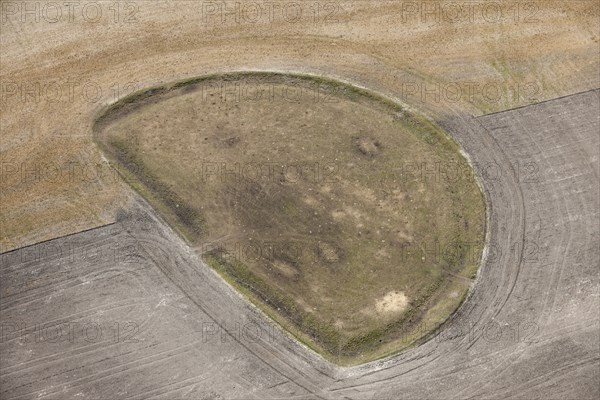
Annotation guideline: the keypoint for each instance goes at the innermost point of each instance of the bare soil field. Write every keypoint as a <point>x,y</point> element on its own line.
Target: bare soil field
<point>101,298</point>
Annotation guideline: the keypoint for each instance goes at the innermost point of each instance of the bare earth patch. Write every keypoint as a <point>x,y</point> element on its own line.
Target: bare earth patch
<point>392,303</point>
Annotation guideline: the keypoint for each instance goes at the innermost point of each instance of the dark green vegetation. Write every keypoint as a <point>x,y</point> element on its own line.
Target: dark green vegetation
<point>355,224</point>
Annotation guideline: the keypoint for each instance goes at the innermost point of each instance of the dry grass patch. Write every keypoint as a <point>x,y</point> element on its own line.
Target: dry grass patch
<point>310,196</point>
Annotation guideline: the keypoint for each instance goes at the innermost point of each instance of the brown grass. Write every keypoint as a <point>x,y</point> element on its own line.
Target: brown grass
<point>313,207</point>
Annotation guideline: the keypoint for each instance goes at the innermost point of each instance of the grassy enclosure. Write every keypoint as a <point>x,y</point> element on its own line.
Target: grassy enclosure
<point>354,223</point>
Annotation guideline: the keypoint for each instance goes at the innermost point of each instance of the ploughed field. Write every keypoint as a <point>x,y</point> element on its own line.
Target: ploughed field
<point>352,221</point>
